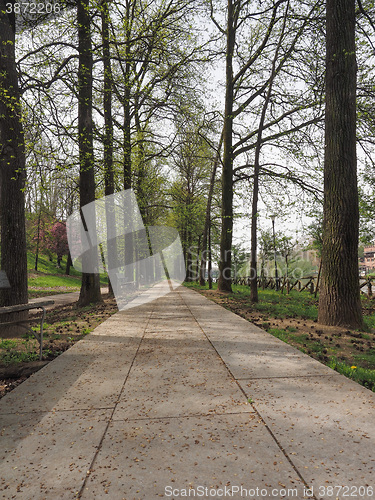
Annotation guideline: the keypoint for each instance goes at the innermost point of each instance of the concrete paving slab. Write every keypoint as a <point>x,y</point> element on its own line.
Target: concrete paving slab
<point>100,385</point>
<point>124,324</point>
<point>177,372</point>
<point>248,351</point>
<point>179,379</point>
<point>48,457</point>
<point>146,459</point>
<point>326,425</point>
<point>324,421</point>
<point>253,357</point>
<point>156,398</point>
<point>88,375</point>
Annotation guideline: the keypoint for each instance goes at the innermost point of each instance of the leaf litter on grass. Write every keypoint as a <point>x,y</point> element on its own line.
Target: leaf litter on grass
<point>293,319</point>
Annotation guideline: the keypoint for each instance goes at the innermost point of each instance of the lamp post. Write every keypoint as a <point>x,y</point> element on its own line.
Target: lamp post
<point>274,248</point>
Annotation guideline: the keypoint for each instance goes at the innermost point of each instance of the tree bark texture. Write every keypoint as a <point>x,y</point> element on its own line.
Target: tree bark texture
<point>126,102</point>
<point>90,288</point>
<point>225,266</point>
<point>107,103</point>
<point>207,223</point>
<point>12,170</point>
<point>109,183</point>
<point>339,300</point>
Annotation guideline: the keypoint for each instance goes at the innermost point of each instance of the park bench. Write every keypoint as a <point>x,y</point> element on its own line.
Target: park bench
<point>4,283</point>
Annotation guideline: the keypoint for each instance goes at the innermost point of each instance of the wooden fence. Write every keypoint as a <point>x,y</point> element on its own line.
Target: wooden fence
<point>309,283</point>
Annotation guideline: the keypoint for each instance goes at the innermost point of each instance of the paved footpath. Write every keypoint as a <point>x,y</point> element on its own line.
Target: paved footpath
<point>154,404</point>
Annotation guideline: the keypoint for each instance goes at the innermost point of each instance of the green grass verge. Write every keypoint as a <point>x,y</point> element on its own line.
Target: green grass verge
<point>305,306</point>
<point>49,280</point>
<point>11,354</point>
<point>297,304</point>
<point>49,276</point>
<point>15,356</point>
<point>48,267</point>
<point>361,375</point>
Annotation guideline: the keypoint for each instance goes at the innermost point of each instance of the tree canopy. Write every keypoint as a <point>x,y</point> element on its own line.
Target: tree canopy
<point>198,106</point>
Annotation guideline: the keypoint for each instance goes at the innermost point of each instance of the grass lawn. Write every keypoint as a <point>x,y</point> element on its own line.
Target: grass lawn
<point>49,279</point>
<point>293,319</point>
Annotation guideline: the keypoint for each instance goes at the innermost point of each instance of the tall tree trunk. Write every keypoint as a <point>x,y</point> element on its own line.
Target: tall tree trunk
<point>107,103</point>
<point>339,298</point>
<point>196,269</point>
<point>68,264</point>
<point>209,269</point>
<point>189,257</point>
<point>225,267</point>
<point>127,162</point>
<point>126,101</point>
<point>90,288</point>
<point>12,170</point>
<point>109,184</point>
<point>202,271</point>
<point>141,170</point>
<point>141,253</point>
<point>127,143</point>
<point>38,239</point>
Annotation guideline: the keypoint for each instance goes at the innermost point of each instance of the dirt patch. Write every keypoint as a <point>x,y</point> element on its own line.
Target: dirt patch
<point>318,341</point>
<point>64,326</point>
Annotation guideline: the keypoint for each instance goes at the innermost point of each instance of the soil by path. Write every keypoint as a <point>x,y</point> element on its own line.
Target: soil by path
<point>319,341</point>
<point>64,326</point>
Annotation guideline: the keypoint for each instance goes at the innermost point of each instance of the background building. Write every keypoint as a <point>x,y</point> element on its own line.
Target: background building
<point>368,260</point>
